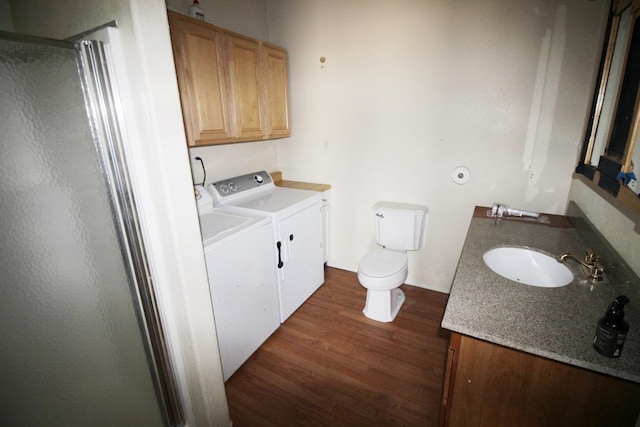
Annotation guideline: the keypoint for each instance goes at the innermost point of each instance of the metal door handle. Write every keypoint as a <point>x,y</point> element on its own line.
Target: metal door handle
<point>280,263</point>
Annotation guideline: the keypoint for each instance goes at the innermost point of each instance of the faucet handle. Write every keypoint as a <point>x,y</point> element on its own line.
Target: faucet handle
<point>591,258</point>
<point>597,271</point>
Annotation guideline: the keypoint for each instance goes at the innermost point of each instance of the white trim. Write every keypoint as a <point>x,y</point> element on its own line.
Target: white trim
<point>161,176</point>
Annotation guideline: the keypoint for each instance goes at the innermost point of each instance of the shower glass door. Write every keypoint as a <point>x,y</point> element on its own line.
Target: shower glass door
<point>75,347</point>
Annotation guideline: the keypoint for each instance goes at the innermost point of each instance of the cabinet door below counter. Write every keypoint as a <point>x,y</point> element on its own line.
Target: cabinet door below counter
<point>490,385</point>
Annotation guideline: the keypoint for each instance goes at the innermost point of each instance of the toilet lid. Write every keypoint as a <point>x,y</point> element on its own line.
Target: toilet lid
<point>383,262</point>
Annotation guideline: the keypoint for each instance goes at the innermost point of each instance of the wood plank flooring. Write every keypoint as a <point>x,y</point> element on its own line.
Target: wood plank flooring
<point>329,365</point>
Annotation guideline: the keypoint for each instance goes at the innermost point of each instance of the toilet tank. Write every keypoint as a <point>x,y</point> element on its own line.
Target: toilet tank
<point>400,226</point>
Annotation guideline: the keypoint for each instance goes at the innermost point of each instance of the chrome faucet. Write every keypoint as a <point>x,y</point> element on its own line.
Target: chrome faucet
<point>590,265</point>
<point>501,211</point>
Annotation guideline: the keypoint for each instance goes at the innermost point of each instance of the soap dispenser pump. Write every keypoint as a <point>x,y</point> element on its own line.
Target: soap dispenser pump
<point>612,329</point>
<point>195,10</point>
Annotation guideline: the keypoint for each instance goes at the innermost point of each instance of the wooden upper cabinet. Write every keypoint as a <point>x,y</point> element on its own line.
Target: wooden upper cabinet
<point>202,79</point>
<point>246,83</point>
<point>274,60</point>
<point>232,88</point>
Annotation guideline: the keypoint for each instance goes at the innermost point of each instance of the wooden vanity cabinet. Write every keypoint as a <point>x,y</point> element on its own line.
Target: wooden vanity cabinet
<point>232,88</point>
<point>490,385</point>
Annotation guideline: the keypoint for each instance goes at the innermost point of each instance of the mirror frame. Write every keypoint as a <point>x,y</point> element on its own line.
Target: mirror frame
<point>585,166</point>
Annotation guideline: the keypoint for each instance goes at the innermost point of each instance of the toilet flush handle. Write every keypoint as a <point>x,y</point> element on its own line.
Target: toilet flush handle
<point>380,215</point>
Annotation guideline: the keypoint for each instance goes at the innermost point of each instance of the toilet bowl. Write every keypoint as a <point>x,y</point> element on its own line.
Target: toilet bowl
<point>381,271</point>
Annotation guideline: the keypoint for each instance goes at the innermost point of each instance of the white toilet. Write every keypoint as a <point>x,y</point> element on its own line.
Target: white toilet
<point>398,229</point>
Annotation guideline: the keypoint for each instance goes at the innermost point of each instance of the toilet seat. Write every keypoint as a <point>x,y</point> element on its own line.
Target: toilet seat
<point>383,269</point>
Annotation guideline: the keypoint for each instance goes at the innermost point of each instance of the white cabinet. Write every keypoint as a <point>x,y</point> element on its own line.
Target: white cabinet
<point>326,223</point>
<point>244,293</point>
<point>301,271</point>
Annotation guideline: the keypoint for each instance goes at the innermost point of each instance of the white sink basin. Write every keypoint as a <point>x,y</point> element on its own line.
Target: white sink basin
<point>528,266</point>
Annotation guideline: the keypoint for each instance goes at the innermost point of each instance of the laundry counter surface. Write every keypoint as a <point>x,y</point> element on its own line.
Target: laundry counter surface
<point>278,181</point>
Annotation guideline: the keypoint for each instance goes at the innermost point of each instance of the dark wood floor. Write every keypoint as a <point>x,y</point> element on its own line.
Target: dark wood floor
<point>329,365</point>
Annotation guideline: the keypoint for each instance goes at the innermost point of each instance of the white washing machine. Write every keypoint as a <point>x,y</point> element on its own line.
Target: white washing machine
<point>245,300</point>
<point>297,231</point>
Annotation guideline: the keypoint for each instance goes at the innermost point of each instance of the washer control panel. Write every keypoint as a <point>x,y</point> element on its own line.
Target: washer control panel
<point>241,184</point>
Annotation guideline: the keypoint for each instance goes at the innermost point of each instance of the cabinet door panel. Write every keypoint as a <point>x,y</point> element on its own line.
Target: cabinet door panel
<point>276,83</point>
<point>303,269</point>
<point>201,80</point>
<point>246,86</point>
<point>498,386</point>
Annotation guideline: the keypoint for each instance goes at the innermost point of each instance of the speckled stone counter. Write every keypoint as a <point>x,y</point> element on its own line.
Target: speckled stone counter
<point>556,323</point>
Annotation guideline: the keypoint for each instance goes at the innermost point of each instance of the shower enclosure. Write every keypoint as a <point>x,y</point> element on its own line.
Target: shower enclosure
<point>81,339</point>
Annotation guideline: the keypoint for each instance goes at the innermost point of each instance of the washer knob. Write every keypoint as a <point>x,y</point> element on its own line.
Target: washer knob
<point>258,178</point>
<point>233,186</point>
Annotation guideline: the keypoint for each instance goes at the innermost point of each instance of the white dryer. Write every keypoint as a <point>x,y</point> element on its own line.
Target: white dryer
<point>297,231</point>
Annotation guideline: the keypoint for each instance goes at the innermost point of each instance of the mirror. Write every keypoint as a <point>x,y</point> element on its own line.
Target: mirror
<point>608,155</point>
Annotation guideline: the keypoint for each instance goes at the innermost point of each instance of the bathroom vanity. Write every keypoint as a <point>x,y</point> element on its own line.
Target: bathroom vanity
<point>522,355</point>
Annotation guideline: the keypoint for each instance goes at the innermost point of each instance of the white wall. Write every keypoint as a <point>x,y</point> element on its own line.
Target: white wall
<point>162,177</point>
<point>412,89</point>
<point>6,22</point>
<point>225,161</point>
<point>622,230</point>
<point>246,17</point>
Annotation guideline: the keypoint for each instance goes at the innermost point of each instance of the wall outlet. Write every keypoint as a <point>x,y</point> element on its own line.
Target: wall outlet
<point>194,158</point>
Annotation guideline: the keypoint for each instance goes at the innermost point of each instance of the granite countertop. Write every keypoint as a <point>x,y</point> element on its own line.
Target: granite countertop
<point>556,323</point>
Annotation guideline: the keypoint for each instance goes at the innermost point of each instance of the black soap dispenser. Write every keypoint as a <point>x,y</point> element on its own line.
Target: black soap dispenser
<point>612,329</point>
